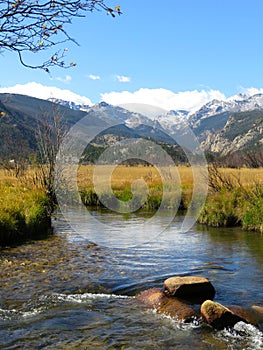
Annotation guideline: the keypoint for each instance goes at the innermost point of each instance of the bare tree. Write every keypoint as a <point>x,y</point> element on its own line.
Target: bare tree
<point>49,135</point>
<point>254,159</point>
<point>34,26</point>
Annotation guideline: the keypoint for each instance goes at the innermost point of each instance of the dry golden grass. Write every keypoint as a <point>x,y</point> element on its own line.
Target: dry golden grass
<point>29,179</point>
<point>7,176</point>
<point>246,176</point>
<point>122,176</point>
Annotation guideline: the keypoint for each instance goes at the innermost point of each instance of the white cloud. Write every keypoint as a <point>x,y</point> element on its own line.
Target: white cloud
<point>123,78</point>
<point>93,77</point>
<point>44,92</point>
<point>251,91</point>
<point>155,98</point>
<point>67,79</point>
<point>166,99</point>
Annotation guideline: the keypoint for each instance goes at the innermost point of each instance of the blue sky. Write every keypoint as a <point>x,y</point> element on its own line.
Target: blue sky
<point>172,53</point>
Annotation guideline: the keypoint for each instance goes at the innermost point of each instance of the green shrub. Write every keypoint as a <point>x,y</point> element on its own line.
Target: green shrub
<point>220,210</point>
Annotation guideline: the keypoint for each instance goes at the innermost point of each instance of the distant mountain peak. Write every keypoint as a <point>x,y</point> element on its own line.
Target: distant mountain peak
<point>238,97</point>
<point>237,103</point>
<point>103,104</point>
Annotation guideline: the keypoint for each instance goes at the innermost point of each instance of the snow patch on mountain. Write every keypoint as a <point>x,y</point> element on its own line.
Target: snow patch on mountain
<point>69,104</point>
<point>173,120</point>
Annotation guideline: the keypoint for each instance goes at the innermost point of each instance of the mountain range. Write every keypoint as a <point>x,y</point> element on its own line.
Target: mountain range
<point>222,127</point>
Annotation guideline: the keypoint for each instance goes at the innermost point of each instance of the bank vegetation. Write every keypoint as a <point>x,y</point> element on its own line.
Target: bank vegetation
<point>235,196</point>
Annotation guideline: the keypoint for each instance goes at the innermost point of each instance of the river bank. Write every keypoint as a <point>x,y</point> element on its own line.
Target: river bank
<point>235,198</point>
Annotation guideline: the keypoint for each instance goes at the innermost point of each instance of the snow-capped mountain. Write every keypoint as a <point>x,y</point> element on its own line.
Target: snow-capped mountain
<point>222,127</point>
<point>69,104</point>
<point>212,123</point>
<point>175,119</point>
<point>132,120</point>
<point>236,103</point>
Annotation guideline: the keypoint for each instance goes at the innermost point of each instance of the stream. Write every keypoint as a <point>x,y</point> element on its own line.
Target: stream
<point>66,292</point>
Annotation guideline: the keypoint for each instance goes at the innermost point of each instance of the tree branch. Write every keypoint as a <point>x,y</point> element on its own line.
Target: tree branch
<point>35,26</point>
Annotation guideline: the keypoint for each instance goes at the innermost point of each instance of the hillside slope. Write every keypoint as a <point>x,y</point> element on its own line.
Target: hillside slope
<point>242,131</point>
<point>219,128</point>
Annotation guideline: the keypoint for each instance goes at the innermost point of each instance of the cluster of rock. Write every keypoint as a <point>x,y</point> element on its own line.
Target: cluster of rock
<point>180,294</point>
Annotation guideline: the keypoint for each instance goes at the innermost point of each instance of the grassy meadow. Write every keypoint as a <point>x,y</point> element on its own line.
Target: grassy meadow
<point>235,196</point>
<point>172,183</point>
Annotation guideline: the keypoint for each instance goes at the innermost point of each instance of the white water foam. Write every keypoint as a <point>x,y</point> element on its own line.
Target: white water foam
<point>179,324</point>
<point>7,314</point>
<point>83,298</point>
<point>46,301</point>
<point>243,331</point>
<point>14,314</point>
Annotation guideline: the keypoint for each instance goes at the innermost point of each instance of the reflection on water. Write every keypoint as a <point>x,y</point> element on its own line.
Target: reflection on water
<point>67,293</point>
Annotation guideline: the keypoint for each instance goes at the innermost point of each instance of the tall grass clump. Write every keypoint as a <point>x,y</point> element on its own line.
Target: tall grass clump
<point>252,209</point>
<point>89,198</point>
<point>24,213</point>
<point>232,202</point>
<point>220,210</point>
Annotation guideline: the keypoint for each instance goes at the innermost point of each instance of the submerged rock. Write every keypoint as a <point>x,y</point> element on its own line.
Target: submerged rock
<point>248,315</point>
<point>178,310</point>
<point>168,306</point>
<point>192,288</point>
<point>219,316</point>
<point>152,297</point>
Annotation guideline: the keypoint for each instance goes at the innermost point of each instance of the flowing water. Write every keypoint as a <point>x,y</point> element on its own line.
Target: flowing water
<point>66,292</point>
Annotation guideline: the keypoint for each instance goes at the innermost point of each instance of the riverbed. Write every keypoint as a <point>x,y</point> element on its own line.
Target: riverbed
<point>67,292</point>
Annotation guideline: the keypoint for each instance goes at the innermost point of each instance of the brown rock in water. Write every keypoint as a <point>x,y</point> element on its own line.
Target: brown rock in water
<point>218,316</point>
<point>172,307</point>
<point>258,309</point>
<point>152,297</point>
<point>190,287</point>
<point>259,315</point>
<point>178,310</point>
<point>247,315</point>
